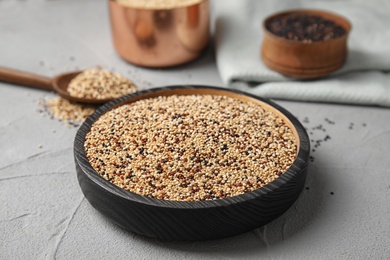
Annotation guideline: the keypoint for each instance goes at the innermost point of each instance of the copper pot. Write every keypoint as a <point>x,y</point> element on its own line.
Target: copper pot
<point>159,37</point>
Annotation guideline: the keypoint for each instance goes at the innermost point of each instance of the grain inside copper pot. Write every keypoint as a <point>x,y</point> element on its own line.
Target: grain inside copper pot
<point>158,4</point>
<point>190,148</point>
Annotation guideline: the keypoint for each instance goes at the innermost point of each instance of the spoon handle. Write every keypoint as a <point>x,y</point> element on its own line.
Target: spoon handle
<point>25,78</point>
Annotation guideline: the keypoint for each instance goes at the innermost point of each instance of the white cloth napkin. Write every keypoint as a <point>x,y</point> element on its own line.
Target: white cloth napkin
<point>364,79</point>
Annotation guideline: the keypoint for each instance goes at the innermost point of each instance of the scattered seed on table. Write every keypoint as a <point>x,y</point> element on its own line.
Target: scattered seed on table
<point>190,148</point>
<point>329,121</point>
<point>64,110</point>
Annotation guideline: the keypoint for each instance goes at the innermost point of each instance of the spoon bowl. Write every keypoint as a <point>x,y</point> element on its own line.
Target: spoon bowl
<point>61,82</point>
<point>58,84</point>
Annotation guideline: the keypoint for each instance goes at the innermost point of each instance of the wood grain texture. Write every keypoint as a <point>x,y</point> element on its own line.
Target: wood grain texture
<point>298,59</point>
<point>25,78</point>
<point>199,220</point>
<point>59,83</point>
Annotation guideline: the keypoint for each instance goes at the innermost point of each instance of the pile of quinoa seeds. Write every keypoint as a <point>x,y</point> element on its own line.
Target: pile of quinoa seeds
<point>100,84</point>
<point>90,83</point>
<point>190,148</point>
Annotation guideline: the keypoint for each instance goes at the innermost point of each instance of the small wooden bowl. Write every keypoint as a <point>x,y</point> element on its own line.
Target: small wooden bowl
<point>300,59</point>
<point>196,220</point>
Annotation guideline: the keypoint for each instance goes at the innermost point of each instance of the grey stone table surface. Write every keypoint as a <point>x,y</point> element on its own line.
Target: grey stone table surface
<point>343,212</point>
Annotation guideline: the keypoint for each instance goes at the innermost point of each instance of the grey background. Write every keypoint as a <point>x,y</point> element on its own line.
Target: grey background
<point>43,214</point>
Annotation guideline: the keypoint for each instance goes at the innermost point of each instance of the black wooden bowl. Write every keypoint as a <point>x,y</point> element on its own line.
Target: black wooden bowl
<point>196,220</point>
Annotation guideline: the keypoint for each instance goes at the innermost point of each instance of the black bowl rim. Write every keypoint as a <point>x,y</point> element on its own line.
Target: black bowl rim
<point>81,160</point>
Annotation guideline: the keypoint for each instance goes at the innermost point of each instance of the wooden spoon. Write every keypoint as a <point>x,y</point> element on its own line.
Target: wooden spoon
<point>59,83</point>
